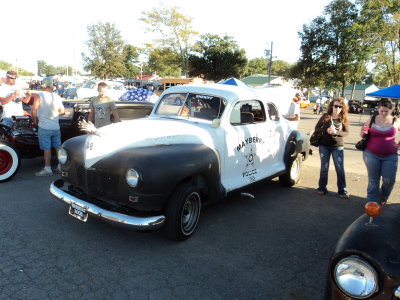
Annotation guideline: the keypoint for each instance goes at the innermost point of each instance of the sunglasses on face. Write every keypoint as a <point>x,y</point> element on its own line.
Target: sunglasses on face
<point>337,106</point>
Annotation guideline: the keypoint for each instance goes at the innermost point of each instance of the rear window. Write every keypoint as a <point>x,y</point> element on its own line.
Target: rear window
<point>247,112</point>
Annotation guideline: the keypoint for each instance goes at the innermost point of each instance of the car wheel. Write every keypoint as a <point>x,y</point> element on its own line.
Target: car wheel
<point>291,177</point>
<point>9,162</point>
<point>182,212</point>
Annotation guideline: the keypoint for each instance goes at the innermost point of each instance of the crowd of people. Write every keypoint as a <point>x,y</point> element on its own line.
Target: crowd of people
<point>380,155</point>
<point>47,106</point>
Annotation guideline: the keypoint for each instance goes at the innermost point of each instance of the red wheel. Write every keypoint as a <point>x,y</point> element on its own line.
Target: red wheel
<point>9,162</point>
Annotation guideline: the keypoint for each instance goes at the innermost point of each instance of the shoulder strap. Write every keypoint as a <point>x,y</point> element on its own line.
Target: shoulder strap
<point>372,121</point>
<point>394,120</point>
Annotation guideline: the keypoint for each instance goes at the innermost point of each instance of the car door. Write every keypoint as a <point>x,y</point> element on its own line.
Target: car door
<point>249,148</point>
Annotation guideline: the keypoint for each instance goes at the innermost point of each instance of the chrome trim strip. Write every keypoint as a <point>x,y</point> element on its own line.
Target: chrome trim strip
<point>138,223</point>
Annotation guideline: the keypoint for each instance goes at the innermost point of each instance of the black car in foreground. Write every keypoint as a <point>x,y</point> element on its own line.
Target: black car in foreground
<point>366,261</point>
<point>21,141</point>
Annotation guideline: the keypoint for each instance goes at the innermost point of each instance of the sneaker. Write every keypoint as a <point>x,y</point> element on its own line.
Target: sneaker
<point>344,195</point>
<point>44,172</point>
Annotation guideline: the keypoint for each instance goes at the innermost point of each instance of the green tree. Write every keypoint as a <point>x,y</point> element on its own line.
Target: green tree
<point>5,65</point>
<point>312,68</point>
<point>343,42</point>
<point>45,69</point>
<point>164,62</point>
<point>257,65</point>
<point>381,21</point>
<point>105,47</point>
<point>130,58</point>
<point>280,68</point>
<point>332,49</point>
<point>174,32</point>
<point>217,58</point>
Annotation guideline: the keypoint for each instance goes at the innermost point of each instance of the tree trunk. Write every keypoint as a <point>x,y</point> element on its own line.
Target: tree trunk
<point>352,90</point>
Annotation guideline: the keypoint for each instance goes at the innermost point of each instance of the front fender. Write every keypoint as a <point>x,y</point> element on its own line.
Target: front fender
<point>161,168</point>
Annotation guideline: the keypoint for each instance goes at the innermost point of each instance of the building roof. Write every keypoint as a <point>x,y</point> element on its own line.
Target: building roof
<point>258,79</point>
<point>359,86</point>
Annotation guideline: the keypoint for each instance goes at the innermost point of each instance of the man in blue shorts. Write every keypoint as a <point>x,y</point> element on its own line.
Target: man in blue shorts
<point>47,107</point>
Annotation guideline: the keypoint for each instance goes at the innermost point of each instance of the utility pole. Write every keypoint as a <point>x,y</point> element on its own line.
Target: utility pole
<point>268,52</point>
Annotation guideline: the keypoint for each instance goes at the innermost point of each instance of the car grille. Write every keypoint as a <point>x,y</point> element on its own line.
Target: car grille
<point>102,185</point>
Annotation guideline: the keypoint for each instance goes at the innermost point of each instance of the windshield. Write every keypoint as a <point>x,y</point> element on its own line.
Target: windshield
<point>191,105</point>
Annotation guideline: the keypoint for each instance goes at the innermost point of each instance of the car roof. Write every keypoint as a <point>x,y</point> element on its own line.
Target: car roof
<point>281,96</point>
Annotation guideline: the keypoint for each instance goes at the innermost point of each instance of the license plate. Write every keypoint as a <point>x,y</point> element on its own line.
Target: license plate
<point>78,212</point>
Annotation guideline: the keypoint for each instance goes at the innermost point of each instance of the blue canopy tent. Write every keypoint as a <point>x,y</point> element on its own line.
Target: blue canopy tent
<point>389,92</point>
<point>234,81</point>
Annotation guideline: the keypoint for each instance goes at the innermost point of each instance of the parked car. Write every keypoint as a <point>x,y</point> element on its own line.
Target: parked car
<point>21,141</point>
<point>304,102</point>
<point>370,107</point>
<point>115,89</point>
<point>355,107</point>
<point>200,143</point>
<point>366,261</point>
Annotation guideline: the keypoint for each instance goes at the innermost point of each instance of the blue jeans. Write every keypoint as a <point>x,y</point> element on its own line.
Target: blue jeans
<point>378,167</point>
<point>325,153</point>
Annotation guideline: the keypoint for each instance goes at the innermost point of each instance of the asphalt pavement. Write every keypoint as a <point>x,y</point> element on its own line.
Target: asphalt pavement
<point>275,246</point>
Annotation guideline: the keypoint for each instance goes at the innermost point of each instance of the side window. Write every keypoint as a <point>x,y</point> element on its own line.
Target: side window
<point>272,112</point>
<point>206,106</point>
<point>247,112</point>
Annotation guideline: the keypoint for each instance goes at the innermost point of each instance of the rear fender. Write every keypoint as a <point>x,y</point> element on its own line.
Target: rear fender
<point>296,144</point>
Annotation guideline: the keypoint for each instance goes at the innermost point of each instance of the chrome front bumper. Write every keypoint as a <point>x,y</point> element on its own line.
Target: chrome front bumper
<point>138,223</point>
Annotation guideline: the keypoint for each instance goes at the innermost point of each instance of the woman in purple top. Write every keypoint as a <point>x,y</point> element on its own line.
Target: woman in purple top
<point>380,156</point>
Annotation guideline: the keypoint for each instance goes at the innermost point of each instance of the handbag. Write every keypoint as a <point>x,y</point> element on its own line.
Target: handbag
<point>314,138</point>
<point>362,144</point>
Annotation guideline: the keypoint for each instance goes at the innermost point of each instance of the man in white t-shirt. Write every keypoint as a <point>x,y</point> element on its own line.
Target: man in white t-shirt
<point>47,107</point>
<point>293,115</point>
<point>10,98</point>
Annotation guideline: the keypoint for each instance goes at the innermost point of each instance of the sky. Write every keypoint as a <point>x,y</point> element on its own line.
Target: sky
<point>55,31</point>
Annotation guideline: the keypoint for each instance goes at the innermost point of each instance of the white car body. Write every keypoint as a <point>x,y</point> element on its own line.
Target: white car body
<point>248,153</point>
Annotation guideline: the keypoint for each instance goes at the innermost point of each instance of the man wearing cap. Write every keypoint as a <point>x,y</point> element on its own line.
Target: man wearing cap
<point>47,107</point>
<point>10,98</point>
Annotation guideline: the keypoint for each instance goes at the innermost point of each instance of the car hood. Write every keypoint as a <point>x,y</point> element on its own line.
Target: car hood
<point>380,244</point>
<point>143,133</point>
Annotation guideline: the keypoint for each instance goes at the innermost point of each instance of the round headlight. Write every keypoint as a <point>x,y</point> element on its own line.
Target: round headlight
<point>132,177</point>
<point>356,277</point>
<point>62,156</point>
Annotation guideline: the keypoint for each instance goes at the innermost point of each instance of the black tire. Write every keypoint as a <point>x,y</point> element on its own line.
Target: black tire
<point>10,162</point>
<point>183,212</point>
<point>292,176</point>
